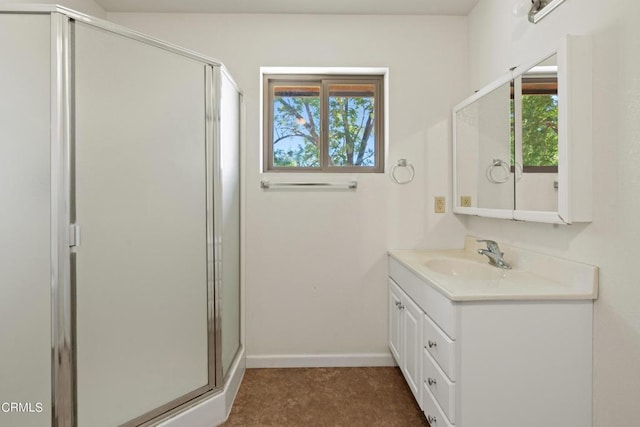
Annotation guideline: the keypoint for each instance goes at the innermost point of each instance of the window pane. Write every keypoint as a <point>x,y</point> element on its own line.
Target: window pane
<point>540,123</point>
<point>296,126</point>
<point>352,125</point>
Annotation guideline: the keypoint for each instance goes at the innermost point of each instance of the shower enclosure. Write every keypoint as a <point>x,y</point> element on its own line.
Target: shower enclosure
<point>120,207</point>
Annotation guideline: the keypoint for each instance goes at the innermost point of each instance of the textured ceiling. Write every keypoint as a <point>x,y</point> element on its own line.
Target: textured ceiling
<point>375,7</point>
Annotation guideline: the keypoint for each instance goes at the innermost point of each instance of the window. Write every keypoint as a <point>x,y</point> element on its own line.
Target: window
<point>323,123</point>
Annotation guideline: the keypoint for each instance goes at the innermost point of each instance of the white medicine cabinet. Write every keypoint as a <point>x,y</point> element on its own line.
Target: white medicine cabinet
<point>522,144</point>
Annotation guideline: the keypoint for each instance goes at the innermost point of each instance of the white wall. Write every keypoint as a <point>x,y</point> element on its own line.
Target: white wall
<point>316,261</point>
<point>85,6</point>
<point>497,41</point>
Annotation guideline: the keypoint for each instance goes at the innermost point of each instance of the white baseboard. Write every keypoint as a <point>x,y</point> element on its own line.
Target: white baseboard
<point>320,360</point>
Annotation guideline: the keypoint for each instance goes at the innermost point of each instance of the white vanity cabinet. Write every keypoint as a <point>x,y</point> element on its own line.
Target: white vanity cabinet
<point>405,336</point>
<point>489,361</point>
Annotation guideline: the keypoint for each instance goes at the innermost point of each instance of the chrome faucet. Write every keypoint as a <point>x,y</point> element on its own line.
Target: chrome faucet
<point>494,254</point>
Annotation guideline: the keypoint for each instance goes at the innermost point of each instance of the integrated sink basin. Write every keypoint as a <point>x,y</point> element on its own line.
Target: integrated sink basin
<point>465,275</point>
<point>464,269</point>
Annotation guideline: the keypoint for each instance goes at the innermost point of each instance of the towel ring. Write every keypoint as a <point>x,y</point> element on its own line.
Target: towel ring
<point>517,169</point>
<point>498,163</point>
<point>403,163</point>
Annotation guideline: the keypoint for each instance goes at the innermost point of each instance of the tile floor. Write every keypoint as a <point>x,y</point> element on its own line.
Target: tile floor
<point>349,397</point>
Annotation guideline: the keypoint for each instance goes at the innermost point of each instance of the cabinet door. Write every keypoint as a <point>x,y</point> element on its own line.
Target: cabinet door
<point>395,324</point>
<point>411,344</point>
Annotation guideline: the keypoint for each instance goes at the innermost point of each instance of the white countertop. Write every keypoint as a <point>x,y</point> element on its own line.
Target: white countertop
<point>533,276</point>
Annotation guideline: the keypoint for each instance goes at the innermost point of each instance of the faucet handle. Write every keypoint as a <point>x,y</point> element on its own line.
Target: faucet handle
<point>492,245</point>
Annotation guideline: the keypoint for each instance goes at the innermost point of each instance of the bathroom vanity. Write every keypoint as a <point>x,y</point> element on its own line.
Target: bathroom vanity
<point>481,346</point>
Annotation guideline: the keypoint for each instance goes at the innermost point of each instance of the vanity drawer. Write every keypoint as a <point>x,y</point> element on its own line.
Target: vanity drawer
<point>432,410</point>
<point>439,346</point>
<point>440,386</point>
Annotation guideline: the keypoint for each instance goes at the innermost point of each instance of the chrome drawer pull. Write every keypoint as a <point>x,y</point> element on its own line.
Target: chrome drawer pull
<point>431,381</point>
<point>432,419</point>
<point>432,344</point>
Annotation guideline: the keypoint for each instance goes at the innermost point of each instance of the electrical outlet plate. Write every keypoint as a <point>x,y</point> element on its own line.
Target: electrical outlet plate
<point>439,206</point>
<point>465,201</point>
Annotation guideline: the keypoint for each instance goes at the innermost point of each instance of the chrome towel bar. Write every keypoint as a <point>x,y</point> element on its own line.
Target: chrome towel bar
<point>348,184</point>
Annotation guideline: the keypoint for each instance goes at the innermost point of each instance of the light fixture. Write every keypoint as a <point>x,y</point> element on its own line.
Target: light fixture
<point>537,9</point>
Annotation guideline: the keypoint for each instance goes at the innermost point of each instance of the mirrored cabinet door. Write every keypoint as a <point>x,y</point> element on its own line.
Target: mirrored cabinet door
<point>483,150</point>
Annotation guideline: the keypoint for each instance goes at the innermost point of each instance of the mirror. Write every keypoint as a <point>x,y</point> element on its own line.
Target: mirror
<point>483,130</point>
<point>535,145</point>
<point>522,145</point>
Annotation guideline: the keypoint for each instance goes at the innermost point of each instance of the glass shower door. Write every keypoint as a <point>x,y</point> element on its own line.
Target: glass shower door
<point>141,288</point>
<point>230,111</point>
